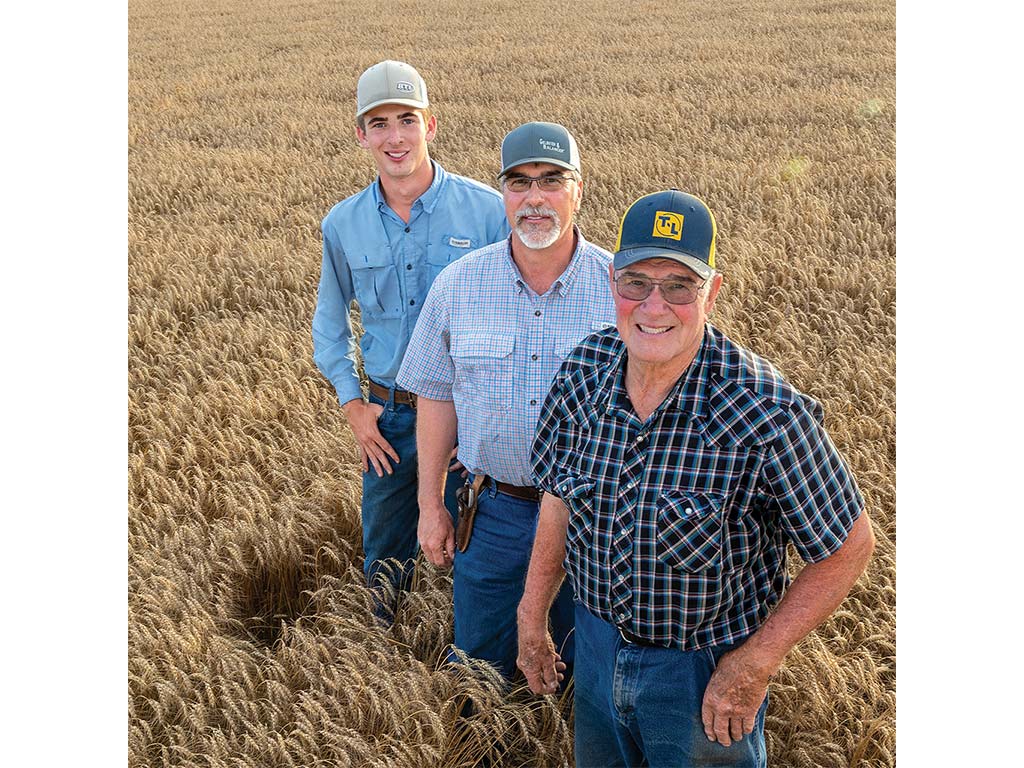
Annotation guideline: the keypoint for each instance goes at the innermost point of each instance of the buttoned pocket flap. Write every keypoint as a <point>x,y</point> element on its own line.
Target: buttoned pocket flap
<point>690,530</point>
<point>370,258</point>
<point>482,345</point>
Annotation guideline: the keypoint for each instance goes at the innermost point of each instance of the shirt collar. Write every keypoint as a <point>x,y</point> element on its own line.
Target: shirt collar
<point>427,200</point>
<point>563,283</point>
<point>513,271</point>
<point>689,394</point>
<point>430,197</point>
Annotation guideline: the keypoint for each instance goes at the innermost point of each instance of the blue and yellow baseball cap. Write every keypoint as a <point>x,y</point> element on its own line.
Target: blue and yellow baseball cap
<point>668,225</point>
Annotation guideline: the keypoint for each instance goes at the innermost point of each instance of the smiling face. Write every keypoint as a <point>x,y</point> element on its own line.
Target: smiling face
<point>660,336</point>
<point>397,137</point>
<point>541,219</point>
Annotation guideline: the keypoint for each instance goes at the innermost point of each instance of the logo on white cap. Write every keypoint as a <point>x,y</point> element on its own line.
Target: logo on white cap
<point>403,85</point>
<point>551,146</point>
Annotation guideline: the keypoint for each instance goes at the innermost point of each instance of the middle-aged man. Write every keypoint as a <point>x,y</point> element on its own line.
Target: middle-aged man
<point>495,328</point>
<point>676,465</point>
<point>383,247</point>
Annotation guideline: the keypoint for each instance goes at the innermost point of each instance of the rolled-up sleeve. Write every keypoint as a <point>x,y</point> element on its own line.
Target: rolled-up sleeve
<point>817,495</point>
<point>333,343</point>
<point>427,368</point>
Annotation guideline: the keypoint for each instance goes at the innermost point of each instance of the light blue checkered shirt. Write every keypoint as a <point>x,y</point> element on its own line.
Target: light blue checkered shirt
<point>485,340</point>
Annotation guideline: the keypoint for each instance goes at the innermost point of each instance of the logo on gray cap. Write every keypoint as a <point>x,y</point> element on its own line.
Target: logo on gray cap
<point>539,143</point>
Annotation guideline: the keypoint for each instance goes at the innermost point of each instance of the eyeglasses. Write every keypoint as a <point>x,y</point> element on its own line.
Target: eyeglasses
<point>551,183</point>
<point>673,290</point>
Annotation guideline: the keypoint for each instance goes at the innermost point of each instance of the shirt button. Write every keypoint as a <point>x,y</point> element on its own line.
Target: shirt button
<point>533,357</point>
<point>537,313</point>
<point>533,402</point>
<point>412,302</point>
<point>408,266</point>
<point>406,229</point>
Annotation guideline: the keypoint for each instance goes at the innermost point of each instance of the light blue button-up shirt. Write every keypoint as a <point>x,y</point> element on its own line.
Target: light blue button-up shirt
<point>387,266</point>
<point>488,342</point>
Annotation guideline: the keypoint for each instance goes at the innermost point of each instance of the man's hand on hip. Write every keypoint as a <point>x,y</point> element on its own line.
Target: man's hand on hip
<point>373,448</point>
<point>436,534</point>
<point>734,694</point>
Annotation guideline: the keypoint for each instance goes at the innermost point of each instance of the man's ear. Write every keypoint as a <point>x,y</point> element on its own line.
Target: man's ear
<point>716,286</point>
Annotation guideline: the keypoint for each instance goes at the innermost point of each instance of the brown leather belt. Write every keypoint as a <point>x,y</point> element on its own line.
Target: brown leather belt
<point>525,492</point>
<point>401,396</point>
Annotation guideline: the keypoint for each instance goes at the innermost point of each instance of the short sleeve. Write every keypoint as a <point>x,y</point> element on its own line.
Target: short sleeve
<point>815,492</point>
<point>552,436</point>
<point>427,368</point>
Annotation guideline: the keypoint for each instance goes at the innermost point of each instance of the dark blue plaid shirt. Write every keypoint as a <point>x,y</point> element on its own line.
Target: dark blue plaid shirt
<point>678,524</point>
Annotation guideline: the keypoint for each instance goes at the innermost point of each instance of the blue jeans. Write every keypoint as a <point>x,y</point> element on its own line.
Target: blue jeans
<point>640,705</point>
<point>390,509</point>
<point>489,580</point>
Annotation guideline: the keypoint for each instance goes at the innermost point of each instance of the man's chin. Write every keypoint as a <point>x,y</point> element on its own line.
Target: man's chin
<point>537,241</point>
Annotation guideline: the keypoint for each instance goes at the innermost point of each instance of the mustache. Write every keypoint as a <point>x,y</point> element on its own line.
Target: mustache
<point>535,210</point>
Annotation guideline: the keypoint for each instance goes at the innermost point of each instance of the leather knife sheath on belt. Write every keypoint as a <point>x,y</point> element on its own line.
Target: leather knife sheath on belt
<point>467,498</point>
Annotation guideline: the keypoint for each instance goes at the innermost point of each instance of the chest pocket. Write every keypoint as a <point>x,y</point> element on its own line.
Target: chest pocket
<point>448,248</point>
<point>375,282</point>
<point>690,530</point>
<point>483,369</point>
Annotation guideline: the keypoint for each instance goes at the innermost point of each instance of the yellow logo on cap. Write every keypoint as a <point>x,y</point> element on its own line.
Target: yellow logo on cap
<point>668,224</point>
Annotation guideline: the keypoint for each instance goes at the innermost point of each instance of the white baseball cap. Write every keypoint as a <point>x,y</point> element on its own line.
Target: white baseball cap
<point>390,82</point>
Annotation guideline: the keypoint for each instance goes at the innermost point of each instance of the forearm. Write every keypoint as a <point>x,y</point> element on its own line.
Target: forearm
<point>545,574</point>
<point>812,597</point>
<point>436,430</point>
<point>333,348</point>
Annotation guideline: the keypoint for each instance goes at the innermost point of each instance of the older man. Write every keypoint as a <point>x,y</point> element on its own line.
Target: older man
<point>676,466</point>
<point>496,326</point>
<point>383,247</point>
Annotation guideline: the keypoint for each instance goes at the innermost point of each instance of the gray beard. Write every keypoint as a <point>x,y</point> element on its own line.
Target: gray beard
<point>533,239</point>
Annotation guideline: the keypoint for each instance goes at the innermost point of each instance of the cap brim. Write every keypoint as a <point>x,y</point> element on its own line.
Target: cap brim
<point>403,102</point>
<point>631,256</point>
<point>524,161</point>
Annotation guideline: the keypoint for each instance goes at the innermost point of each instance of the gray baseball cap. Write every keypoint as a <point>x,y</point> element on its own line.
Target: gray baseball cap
<point>390,82</point>
<point>539,143</point>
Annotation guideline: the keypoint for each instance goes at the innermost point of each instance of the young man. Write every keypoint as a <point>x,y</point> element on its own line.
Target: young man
<point>496,326</point>
<point>676,466</point>
<point>383,247</point>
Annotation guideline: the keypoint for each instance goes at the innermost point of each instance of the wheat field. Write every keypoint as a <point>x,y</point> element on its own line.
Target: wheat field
<point>251,641</point>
